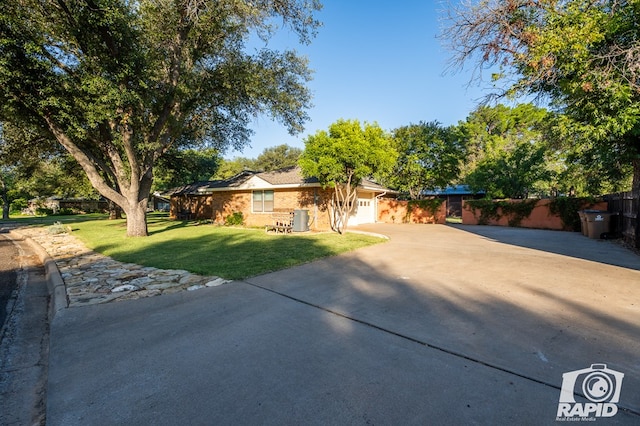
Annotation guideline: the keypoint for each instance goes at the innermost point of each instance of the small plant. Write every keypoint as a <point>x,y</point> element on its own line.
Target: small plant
<point>59,228</point>
<point>65,212</point>
<point>43,211</point>
<point>235,219</point>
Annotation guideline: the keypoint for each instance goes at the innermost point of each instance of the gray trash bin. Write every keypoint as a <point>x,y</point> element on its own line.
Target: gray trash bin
<point>598,223</point>
<point>300,220</point>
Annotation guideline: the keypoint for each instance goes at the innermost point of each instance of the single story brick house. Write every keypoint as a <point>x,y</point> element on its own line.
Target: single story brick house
<point>258,195</point>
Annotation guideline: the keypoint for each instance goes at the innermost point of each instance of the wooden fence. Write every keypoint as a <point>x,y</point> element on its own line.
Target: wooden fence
<point>624,203</point>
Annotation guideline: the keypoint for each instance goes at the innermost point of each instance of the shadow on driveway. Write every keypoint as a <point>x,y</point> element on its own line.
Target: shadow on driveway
<point>440,325</point>
<point>572,244</point>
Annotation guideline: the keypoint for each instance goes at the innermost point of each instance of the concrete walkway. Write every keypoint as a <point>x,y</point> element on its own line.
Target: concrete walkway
<point>441,325</point>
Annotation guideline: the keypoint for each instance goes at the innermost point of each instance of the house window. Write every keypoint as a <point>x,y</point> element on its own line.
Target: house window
<point>262,201</point>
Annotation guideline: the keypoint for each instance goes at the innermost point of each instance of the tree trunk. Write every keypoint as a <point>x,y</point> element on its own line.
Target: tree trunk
<point>5,200</point>
<point>635,188</point>
<point>5,208</point>
<point>137,219</point>
<point>115,212</point>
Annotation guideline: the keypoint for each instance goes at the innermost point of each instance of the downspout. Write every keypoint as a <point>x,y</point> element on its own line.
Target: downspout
<point>316,198</point>
<point>378,197</point>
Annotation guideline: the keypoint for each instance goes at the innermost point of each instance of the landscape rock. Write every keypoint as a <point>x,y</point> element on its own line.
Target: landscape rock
<point>91,278</point>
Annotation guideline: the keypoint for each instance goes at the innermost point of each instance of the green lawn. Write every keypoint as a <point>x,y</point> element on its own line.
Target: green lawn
<point>231,253</point>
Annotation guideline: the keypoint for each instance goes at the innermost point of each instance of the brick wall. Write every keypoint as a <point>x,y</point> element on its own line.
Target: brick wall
<point>540,217</point>
<point>219,205</point>
<point>391,210</point>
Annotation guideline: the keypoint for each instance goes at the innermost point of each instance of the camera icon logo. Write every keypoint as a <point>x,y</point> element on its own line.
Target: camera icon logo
<point>598,384</point>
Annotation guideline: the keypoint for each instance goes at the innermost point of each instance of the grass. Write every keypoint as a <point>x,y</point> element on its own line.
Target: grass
<point>228,252</point>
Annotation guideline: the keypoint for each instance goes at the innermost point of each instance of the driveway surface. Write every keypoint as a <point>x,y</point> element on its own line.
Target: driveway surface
<point>440,325</point>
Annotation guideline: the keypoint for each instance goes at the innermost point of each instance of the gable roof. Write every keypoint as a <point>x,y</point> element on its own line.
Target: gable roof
<point>289,177</point>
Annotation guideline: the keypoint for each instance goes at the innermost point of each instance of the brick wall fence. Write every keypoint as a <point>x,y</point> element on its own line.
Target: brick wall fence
<point>540,217</point>
<point>391,210</point>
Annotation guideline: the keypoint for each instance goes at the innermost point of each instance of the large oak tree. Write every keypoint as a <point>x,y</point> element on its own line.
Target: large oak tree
<point>120,82</point>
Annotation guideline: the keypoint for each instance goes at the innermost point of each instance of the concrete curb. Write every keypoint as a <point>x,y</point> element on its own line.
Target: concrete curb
<point>55,283</point>
<point>371,234</point>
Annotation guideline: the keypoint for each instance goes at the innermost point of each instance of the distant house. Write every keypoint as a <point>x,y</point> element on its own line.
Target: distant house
<point>76,205</point>
<point>260,195</point>
<point>454,195</point>
<point>159,202</point>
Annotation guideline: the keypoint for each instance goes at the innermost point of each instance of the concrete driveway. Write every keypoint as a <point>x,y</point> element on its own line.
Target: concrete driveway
<point>440,325</point>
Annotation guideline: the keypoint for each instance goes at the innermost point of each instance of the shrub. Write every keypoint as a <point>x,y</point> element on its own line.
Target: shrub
<point>43,211</point>
<point>567,208</point>
<point>65,212</point>
<point>235,219</point>
<point>59,228</point>
<point>18,205</point>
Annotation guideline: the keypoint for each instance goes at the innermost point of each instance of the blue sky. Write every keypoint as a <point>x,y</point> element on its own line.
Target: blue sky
<point>376,61</point>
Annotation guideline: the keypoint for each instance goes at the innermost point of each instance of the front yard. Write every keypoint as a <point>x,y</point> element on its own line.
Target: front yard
<point>228,252</point>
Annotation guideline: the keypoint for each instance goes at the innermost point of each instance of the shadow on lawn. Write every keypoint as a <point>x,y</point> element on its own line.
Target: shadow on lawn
<point>231,254</point>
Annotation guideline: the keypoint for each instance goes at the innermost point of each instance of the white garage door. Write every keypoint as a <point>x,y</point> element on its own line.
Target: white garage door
<point>364,213</point>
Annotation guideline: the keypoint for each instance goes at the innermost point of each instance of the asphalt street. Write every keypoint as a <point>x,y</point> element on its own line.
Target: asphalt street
<point>440,325</point>
<point>9,267</point>
<point>24,335</point>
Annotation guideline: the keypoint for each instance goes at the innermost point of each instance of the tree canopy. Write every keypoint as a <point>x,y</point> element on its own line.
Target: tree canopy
<point>341,157</point>
<point>182,167</point>
<point>508,153</point>
<point>581,55</point>
<point>119,83</point>
<point>277,157</point>
<point>429,156</point>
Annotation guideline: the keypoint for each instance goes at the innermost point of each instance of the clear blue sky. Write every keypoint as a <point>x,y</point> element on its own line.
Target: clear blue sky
<point>376,61</point>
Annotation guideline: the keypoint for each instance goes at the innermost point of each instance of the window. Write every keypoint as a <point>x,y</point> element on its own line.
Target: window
<point>262,201</point>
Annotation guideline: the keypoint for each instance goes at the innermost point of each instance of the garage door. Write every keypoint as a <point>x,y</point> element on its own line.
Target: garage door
<point>364,212</point>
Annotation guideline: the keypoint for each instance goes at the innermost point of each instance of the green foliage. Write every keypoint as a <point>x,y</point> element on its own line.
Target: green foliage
<point>429,156</point>
<point>580,54</point>
<point>509,155</point>
<point>432,205</point>
<point>489,210</point>
<point>58,228</point>
<point>567,208</point>
<point>238,253</point>
<point>587,168</point>
<point>19,204</point>
<point>229,168</point>
<point>234,219</point>
<point>181,167</point>
<point>341,157</point>
<point>44,211</point>
<point>278,157</point>
<point>347,153</point>
<point>119,83</point>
